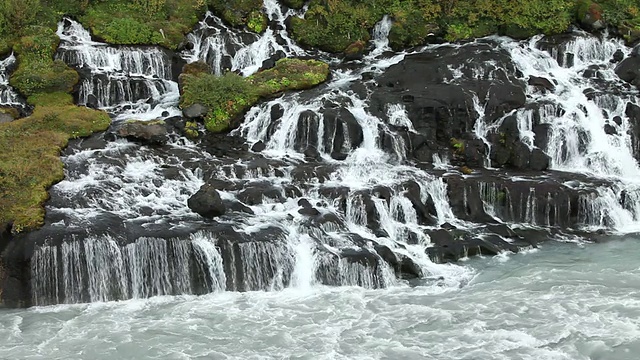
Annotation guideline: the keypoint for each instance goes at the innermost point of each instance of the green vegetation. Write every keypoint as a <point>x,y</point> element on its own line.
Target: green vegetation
<point>30,162</point>
<point>257,21</point>
<point>230,95</point>
<point>37,71</point>
<point>457,145</point>
<point>332,25</point>
<point>241,13</point>
<point>159,22</point>
<point>191,130</point>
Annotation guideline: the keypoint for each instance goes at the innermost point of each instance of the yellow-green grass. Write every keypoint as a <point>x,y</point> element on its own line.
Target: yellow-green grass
<point>30,157</point>
<point>230,95</point>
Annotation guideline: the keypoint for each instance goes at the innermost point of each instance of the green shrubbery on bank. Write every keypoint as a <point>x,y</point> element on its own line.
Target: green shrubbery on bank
<point>333,25</point>
<point>230,95</point>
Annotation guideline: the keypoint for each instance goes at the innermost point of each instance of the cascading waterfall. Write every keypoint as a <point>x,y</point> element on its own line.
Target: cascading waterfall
<point>131,82</point>
<point>578,141</point>
<point>334,198</point>
<point>7,95</point>
<point>99,269</point>
<point>227,49</point>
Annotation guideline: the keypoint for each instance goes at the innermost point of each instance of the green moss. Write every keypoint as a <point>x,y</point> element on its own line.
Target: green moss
<point>191,130</point>
<point>157,22</point>
<point>236,12</point>
<point>257,21</point>
<point>37,71</point>
<point>334,25</point>
<point>227,96</point>
<point>457,145</point>
<point>290,74</point>
<point>50,99</point>
<point>230,95</point>
<point>30,162</point>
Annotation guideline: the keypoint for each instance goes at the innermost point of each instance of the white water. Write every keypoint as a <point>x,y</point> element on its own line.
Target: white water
<point>562,302</point>
<point>601,155</point>
<point>8,96</point>
<point>129,82</point>
<point>277,247</point>
<point>214,43</point>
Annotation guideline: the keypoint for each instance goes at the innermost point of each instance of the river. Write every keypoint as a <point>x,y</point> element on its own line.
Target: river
<point>562,301</point>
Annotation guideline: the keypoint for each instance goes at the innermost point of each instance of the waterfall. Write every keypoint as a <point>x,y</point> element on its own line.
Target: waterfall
<point>130,82</point>
<point>577,140</point>
<point>7,95</point>
<point>323,186</point>
<point>100,269</point>
<point>229,49</point>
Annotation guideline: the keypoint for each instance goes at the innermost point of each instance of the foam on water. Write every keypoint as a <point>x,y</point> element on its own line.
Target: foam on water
<point>558,303</point>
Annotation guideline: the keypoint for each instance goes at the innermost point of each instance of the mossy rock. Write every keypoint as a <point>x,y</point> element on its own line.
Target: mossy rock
<point>354,50</point>
<point>227,97</point>
<point>294,4</point>
<point>237,12</point>
<point>30,162</point>
<point>191,130</point>
<point>12,112</point>
<point>290,74</point>
<point>196,68</point>
<point>257,21</point>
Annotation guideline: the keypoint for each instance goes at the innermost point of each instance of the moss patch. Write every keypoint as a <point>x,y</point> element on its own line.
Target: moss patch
<point>37,71</point>
<point>237,12</point>
<point>290,74</point>
<point>230,95</point>
<point>158,22</point>
<point>30,162</point>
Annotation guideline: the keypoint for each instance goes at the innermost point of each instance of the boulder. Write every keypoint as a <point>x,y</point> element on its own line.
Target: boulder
<point>259,146</point>
<point>195,111</point>
<point>539,161</point>
<point>148,132</point>
<point>629,70</point>
<point>207,202</point>
<point>541,83</point>
<point>5,118</point>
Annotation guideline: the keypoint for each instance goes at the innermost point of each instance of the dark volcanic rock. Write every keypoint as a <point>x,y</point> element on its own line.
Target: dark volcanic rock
<point>629,70</point>
<point>439,101</point>
<point>207,202</point>
<point>149,132</point>
<point>259,146</point>
<point>541,83</point>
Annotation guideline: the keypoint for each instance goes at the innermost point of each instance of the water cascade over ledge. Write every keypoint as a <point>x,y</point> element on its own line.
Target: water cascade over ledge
<point>400,162</point>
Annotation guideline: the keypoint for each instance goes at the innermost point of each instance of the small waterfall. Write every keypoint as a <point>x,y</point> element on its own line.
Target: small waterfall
<point>227,49</point>
<point>578,141</point>
<point>100,269</point>
<point>131,82</point>
<point>380,38</point>
<point>8,96</point>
